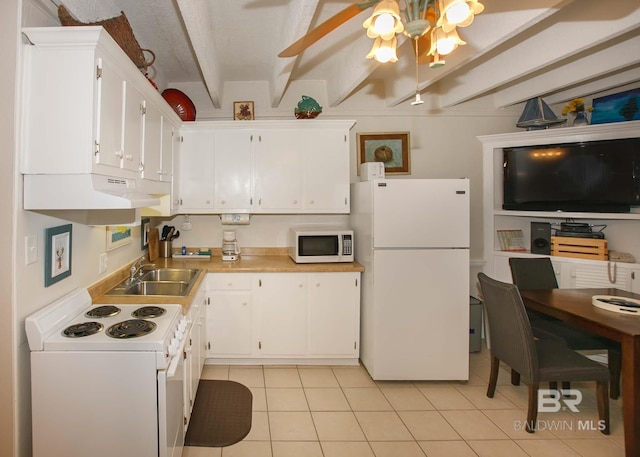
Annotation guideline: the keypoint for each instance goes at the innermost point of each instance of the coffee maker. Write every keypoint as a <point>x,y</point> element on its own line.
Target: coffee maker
<point>230,248</point>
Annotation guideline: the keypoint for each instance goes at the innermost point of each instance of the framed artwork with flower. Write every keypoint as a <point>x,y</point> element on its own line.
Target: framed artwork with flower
<point>243,111</point>
<point>392,149</point>
<point>57,254</point>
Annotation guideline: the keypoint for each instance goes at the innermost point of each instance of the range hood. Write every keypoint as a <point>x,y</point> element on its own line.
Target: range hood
<point>83,192</point>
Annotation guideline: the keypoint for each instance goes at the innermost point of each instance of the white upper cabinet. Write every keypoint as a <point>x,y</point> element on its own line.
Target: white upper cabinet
<point>274,166</point>
<point>232,170</point>
<point>196,171</point>
<point>279,170</point>
<point>88,109</point>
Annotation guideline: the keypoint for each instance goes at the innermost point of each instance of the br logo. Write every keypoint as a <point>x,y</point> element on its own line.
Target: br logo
<point>552,400</point>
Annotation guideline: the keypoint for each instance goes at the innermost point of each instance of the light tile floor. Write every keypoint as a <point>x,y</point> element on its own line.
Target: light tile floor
<point>339,411</point>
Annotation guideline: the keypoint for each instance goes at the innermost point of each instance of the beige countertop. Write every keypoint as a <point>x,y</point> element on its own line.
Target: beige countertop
<point>253,260</point>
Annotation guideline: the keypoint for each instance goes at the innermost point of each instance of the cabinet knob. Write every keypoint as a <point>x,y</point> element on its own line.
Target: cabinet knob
<point>301,285</point>
<point>230,284</point>
<point>222,202</point>
<point>244,303</point>
<point>119,154</point>
<point>311,202</point>
<point>295,202</point>
<point>317,283</point>
<point>129,157</point>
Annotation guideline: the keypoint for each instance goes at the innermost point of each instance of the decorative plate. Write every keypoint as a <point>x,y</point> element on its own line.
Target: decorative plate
<point>181,104</point>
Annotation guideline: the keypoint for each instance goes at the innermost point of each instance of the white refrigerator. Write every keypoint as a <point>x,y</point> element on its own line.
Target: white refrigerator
<point>412,237</point>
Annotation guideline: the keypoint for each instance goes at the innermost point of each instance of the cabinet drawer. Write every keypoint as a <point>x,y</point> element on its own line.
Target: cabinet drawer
<point>229,281</point>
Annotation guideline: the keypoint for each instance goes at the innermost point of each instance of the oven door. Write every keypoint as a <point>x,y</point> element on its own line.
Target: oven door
<point>171,407</point>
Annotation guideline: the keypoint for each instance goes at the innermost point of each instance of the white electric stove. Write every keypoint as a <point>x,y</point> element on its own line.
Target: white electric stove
<point>104,375</point>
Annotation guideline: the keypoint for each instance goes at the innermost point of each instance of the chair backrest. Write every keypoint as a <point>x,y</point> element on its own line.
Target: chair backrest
<point>509,328</point>
<point>533,273</point>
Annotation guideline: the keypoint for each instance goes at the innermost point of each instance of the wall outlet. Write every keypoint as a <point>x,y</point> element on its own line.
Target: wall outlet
<point>186,224</point>
<point>102,263</point>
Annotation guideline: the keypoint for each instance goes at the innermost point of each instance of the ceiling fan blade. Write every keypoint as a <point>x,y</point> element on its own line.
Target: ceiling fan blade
<point>325,28</point>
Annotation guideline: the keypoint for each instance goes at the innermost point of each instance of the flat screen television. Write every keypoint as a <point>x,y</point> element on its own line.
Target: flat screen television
<point>594,176</point>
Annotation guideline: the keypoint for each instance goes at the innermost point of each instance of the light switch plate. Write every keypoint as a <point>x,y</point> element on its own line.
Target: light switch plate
<point>102,263</point>
<point>30,250</point>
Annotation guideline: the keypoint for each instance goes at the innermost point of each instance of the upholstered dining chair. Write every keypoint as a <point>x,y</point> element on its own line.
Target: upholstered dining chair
<point>536,359</point>
<point>538,273</point>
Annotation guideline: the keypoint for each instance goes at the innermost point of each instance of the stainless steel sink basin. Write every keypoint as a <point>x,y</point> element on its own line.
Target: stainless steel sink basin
<point>176,282</point>
<point>158,288</point>
<point>170,274</point>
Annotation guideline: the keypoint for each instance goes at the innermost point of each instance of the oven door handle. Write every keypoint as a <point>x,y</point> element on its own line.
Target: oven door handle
<point>175,361</point>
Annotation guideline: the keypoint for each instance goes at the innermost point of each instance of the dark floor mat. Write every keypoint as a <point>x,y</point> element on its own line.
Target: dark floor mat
<point>221,415</point>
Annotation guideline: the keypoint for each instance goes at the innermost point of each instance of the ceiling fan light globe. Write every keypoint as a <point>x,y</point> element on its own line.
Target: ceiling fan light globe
<point>458,12</point>
<point>384,21</point>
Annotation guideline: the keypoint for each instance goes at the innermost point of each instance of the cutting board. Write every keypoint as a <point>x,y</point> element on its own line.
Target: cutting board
<point>154,244</point>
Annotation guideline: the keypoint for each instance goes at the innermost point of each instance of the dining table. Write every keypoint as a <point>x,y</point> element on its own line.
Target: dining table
<point>576,307</point>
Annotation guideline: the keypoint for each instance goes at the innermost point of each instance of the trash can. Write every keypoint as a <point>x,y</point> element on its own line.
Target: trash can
<point>475,324</point>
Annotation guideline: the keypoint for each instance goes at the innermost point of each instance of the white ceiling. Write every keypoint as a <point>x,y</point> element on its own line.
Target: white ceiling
<point>516,50</point>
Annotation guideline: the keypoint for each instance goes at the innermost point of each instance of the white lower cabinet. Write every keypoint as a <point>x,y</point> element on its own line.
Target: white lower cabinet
<point>281,311</point>
<point>573,273</point>
<point>284,316</point>
<point>194,350</point>
<point>229,315</point>
<point>334,327</point>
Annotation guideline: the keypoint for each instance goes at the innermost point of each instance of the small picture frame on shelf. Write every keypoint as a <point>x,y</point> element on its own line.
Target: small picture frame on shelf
<point>57,255</point>
<point>243,111</point>
<point>511,240</point>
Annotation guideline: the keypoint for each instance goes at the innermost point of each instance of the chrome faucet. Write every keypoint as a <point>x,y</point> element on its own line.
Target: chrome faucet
<point>138,267</point>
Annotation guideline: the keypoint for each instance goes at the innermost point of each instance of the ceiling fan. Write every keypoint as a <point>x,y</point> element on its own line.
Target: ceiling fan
<point>430,23</point>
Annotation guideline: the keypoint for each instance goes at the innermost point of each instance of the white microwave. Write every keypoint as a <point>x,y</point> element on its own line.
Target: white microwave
<point>320,244</point>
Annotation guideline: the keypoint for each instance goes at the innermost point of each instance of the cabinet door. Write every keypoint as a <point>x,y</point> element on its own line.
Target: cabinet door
<point>152,143</point>
<point>196,170</point>
<point>326,172</point>
<point>229,323</point>
<point>334,314</point>
<point>233,170</point>
<point>279,158</point>
<point>110,94</point>
<point>132,128</point>
<point>600,275</point>
<point>281,306</point>
<point>166,150</point>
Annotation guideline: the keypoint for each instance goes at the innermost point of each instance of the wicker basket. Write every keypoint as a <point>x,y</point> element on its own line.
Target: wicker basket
<point>120,30</point>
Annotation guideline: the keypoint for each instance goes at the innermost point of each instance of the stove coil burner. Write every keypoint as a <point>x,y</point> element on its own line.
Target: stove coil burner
<point>147,312</point>
<point>103,311</point>
<point>131,328</point>
<point>83,329</point>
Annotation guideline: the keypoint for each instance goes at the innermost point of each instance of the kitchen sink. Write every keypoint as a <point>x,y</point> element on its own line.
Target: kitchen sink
<point>175,282</point>
<point>170,274</point>
<point>158,288</point>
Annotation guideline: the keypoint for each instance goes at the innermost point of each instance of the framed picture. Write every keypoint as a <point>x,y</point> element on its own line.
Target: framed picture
<point>145,226</point>
<point>117,236</point>
<point>243,111</point>
<point>392,149</point>
<point>57,255</point>
<point>619,107</point>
